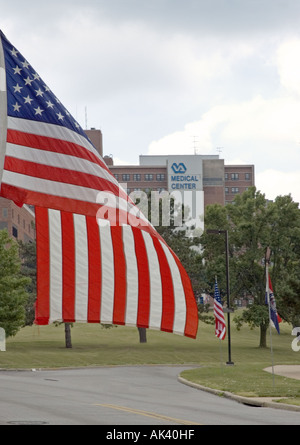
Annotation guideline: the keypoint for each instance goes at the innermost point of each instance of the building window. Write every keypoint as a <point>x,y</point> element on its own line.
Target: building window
<point>116,176</point>
<point>148,177</point>
<point>160,177</point>
<point>4,212</point>
<point>226,190</point>
<point>15,232</point>
<point>126,177</point>
<point>234,190</point>
<point>248,176</point>
<point>234,176</point>
<point>238,302</point>
<point>226,176</point>
<point>3,225</point>
<point>137,177</point>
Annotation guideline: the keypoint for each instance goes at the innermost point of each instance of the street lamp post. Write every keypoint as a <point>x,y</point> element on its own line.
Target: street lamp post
<point>225,232</point>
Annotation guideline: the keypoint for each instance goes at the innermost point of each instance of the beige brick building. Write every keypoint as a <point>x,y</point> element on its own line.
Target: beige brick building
<point>220,183</point>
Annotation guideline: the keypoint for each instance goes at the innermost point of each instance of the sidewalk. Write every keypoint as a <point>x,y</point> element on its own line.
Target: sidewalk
<point>290,371</point>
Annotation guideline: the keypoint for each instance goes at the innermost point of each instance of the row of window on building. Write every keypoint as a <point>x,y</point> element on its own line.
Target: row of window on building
<point>228,190</point>
<point>162,177</point>
<point>237,177</point>
<point>233,190</point>
<point>146,189</point>
<point>138,177</point>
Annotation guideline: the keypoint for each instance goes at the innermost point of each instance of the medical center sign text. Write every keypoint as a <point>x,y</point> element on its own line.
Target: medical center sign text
<point>184,177</point>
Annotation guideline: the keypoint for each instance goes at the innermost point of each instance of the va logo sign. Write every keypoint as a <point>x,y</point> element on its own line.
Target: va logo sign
<point>178,168</point>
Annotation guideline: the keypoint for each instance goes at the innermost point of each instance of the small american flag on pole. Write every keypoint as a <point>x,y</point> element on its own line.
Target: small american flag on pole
<point>270,301</point>
<point>220,325</point>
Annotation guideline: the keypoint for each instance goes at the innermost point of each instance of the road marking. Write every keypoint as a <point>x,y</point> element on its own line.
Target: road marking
<point>147,414</point>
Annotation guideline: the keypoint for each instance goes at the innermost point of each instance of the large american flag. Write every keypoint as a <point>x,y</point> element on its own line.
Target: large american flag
<point>98,258</point>
<point>220,325</point>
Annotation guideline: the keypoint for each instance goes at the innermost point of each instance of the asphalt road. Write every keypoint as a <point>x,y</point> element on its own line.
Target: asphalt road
<point>141,395</point>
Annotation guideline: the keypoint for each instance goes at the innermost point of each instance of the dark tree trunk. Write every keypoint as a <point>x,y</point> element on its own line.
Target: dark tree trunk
<point>68,335</point>
<point>263,336</point>
<point>143,335</point>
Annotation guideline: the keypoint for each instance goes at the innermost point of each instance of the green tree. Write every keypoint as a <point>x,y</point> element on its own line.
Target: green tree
<point>285,256</point>
<point>27,253</point>
<point>187,248</point>
<point>251,218</point>
<point>13,295</point>
<point>254,224</point>
<point>213,245</point>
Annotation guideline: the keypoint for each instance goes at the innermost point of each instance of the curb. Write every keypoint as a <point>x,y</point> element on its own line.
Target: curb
<point>240,399</point>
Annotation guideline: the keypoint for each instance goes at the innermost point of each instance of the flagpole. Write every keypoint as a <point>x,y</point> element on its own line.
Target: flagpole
<point>221,355</point>
<point>269,307</point>
<point>220,343</point>
<point>230,362</point>
<point>3,108</point>
<point>225,233</point>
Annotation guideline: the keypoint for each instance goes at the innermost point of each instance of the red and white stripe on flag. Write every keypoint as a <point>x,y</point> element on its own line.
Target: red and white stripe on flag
<point>220,325</point>
<point>99,273</point>
<point>51,166</point>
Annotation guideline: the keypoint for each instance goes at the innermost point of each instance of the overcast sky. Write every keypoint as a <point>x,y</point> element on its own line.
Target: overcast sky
<point>174,76</point>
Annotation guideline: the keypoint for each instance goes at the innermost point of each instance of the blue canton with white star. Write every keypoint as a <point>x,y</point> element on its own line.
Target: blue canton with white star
<point>28,97</point>
<point>217,295</point>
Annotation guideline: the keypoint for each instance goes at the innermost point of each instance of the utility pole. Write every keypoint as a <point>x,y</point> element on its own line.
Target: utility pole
<point>225,232</point>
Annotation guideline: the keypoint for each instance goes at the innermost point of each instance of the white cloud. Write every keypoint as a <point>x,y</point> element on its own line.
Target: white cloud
<point>187,141</point>
<point>259,124</point>
<point>262,132</point>
<point>175,77</point>
<point>288,62</point>
<point>118,161</point>
<point>275,183</point>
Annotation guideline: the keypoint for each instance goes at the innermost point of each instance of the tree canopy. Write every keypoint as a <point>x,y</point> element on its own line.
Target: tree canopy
<point>253,224</point>
<point>27,253</point>
<point>13,295</point>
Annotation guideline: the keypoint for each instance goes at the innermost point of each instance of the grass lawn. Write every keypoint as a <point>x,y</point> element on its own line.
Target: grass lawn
<point>44,347</point>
